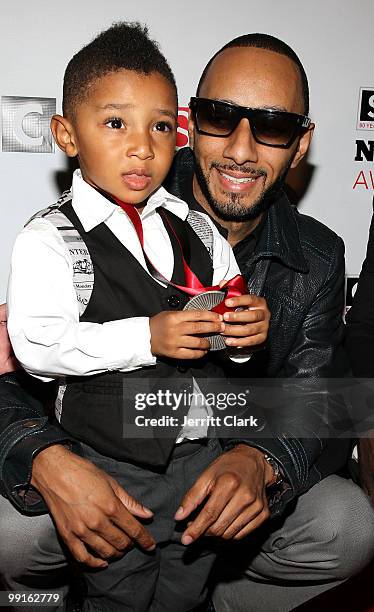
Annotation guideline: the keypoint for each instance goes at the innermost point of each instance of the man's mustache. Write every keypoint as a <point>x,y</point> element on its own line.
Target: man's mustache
<point>236,168</point>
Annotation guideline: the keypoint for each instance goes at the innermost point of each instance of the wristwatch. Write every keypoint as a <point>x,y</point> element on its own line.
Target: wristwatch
<point>276,469</point>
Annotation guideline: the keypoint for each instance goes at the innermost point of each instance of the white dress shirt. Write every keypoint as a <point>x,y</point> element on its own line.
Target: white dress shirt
<point>44,327</point>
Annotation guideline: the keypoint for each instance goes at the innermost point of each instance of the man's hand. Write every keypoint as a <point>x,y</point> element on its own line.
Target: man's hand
<point>176,334</point>
<point>92,512</point>
<point>8,362</point>
<point>366,464</point>
<point>233,489</point>
<point>250,326</point>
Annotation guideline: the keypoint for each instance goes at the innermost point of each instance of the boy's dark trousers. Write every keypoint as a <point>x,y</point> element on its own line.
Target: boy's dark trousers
<point>173,577</point>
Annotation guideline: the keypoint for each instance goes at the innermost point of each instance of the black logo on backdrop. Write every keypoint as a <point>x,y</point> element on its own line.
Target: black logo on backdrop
<point>364,150</point>
<point>365,117</point>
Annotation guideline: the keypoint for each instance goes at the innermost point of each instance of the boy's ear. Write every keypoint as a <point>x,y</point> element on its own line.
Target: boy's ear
<point>63,133</point>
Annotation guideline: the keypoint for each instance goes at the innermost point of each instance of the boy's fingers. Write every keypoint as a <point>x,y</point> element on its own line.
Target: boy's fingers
<point>247,301</point>
<point>194,342</point>
<point>245,316</point>
<point>202,327</point>
<point>200,315</point>
<point>243,331</point>
<point>190,354</point>
<point>247,341</point>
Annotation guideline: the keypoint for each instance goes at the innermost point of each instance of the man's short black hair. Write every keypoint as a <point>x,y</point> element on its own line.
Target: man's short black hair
<point>122,46</point>
<point>271,43</point>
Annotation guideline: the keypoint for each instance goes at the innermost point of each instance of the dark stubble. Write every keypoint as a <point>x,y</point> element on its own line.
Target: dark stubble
<point>233,209</point>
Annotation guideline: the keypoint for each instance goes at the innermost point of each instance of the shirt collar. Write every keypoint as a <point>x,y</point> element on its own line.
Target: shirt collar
<point>92,208</point>
<point>163,198</point>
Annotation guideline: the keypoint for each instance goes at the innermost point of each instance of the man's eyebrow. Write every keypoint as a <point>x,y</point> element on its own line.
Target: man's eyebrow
<point>274,107</point>
<point>262,106</point>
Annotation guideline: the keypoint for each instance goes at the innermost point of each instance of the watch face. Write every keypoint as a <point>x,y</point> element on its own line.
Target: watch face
<point>207,301</point>
<point>277,471</point>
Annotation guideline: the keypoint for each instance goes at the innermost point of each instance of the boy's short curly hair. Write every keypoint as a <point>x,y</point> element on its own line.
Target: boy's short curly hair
<point>124,45</point>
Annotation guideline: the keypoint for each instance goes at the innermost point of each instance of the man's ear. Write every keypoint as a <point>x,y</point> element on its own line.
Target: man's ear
<point>304,144</point>
<point>63,133</point>
<point>191,130</point>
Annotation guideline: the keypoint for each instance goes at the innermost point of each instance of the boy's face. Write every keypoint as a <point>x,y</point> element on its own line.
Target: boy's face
<point>124,134</point>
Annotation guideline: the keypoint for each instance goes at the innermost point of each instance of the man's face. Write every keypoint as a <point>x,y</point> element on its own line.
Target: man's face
<point>235,173</point>
<point>124,134</point>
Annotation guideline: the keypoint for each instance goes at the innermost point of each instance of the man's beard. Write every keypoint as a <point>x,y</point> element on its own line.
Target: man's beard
<point>233,209</point>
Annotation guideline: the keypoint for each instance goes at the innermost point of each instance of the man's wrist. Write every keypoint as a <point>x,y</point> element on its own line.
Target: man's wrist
<point>277,471</point>
<point>42,459</point>
<point>270,473</point>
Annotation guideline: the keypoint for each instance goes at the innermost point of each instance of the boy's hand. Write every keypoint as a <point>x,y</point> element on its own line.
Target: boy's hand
<point>176,334</point>
<point>233,488</point>
<point>92,512</point>
<point>8,362</point>
<point>250,325</point>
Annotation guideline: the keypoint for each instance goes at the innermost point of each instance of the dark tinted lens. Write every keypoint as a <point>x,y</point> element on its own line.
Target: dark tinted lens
<point>215,118</point>
<point>274,128</point>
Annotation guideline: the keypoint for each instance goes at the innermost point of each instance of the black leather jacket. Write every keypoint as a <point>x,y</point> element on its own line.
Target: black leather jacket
<point>298,265</point>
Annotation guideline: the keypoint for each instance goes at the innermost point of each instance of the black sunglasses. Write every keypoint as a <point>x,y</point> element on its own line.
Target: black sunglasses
<point>269,127</point>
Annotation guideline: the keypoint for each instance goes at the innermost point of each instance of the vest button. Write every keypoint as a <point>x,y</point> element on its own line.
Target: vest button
<point>174,301</point>
<point>182,369</point>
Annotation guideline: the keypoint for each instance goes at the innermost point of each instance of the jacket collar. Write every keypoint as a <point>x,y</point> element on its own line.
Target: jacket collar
<point>279,238</point>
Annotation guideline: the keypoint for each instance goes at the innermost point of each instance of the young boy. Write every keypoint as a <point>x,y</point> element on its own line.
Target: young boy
<point>95,301</point>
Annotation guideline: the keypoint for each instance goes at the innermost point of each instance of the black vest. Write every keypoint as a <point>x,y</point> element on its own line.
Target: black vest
<point>94,407</point>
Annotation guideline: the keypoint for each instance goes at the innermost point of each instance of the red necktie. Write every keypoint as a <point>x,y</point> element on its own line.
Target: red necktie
<point>232,288</point>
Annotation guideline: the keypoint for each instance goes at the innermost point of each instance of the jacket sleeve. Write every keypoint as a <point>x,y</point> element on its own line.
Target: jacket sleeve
<point>313,414</point>
<point>25,430</point>
<point>360,318</point>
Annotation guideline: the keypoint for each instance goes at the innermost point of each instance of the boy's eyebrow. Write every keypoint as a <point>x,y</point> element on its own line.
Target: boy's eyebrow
<point>164,111</point>
<point>115,106</point>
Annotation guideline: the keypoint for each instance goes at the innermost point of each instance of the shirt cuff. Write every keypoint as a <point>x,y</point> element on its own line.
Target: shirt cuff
<point>128,344</point>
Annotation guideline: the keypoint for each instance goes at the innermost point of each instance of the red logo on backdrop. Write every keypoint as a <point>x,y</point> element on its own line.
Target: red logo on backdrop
<point>182,132</point>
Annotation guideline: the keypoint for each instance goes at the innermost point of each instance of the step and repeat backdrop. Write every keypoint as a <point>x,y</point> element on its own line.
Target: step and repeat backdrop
<point>332,37</point>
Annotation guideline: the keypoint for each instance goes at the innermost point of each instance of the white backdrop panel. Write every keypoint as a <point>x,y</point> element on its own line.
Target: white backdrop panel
<point>332,37</point>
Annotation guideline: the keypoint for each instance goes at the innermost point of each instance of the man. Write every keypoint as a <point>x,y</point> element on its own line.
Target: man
<point>236,174</point>
<point>241,160</point>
